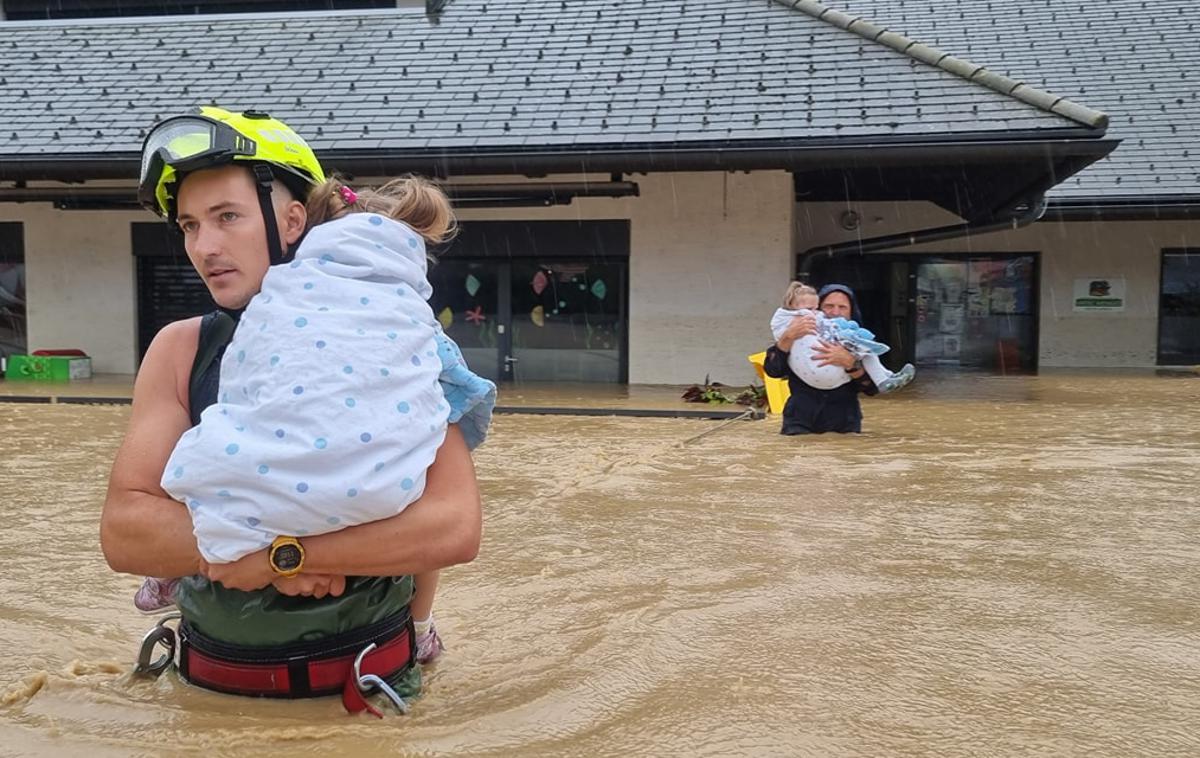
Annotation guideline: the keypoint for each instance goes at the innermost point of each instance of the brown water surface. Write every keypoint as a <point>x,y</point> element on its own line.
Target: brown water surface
<point>1000,566</point>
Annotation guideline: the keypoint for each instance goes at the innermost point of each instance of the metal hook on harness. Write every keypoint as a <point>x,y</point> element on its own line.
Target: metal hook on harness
<point>163,635</point>
<point>366,683</point>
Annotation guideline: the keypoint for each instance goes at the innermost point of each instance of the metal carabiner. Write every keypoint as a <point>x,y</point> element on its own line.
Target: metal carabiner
<point>366,682</point>
<point>163,635</point>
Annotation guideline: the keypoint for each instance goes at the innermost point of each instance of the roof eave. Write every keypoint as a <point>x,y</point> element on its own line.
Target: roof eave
<point>636,158</point>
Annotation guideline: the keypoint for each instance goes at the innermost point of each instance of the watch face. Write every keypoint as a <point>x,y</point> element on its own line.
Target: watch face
<point>286,557</point>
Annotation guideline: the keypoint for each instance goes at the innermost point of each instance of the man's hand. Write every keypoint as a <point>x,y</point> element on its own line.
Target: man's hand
<point>829,354</point>
<point>249,573</point>
<point>311,585</point>
<point>801,326</point>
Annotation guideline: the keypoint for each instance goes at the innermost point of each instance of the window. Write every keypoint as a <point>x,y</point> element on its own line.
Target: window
<point>13,330</point>
<point>1179,308</point>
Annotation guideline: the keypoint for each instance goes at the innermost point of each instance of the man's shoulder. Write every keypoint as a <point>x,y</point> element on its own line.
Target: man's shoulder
<point>177,338</point>
<point>168,361</point>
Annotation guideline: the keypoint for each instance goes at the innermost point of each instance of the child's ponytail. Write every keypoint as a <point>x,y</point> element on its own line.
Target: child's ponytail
<point>415,201</point>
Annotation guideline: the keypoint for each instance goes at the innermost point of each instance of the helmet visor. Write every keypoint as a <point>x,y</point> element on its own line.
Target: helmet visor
<point>182,144</point>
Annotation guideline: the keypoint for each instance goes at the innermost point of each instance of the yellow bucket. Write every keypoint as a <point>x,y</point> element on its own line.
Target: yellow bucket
<point>777,389</point>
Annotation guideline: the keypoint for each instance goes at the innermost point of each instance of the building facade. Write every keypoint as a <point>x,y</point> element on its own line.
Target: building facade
<point>635,190</point>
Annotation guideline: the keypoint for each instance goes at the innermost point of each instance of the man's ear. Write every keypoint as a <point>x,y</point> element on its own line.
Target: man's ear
<point>295,217</point>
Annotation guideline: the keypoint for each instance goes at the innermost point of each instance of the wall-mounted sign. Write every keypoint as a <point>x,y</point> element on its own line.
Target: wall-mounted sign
<point>1098,293</point>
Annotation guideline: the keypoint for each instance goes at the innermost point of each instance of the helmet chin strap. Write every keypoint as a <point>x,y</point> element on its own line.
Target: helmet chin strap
<point>263,179</point>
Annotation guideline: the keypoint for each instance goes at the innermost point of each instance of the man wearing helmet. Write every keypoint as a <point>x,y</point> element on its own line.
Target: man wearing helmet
<point>233,185</point>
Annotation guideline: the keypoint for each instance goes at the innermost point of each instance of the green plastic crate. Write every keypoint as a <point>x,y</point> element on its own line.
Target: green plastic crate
<point>47,368</point>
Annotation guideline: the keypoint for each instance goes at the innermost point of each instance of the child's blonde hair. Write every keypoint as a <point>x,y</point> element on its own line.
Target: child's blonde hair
<point>417,202</point>
<point>795,291</point>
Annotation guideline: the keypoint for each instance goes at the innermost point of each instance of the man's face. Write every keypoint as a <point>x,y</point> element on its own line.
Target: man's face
<point>836,304</point>
<point>224,233</point>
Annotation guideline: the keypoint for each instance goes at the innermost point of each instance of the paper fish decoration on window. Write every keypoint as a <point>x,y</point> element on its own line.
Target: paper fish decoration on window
<point>446,318</point>
<point>540,280</point>
<point>472,285</point>
<point>538,316</point>
<point>475,315</point>
<point>598,289</point>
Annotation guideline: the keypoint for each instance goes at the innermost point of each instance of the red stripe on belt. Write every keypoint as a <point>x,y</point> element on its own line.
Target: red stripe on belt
<point>325,676</point>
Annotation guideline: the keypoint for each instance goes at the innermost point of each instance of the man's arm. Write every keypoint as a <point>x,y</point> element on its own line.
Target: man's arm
<point>440,529</point>
<point>142,529</point>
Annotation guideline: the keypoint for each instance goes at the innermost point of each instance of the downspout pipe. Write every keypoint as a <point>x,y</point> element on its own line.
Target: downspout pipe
<point>1033,212</point>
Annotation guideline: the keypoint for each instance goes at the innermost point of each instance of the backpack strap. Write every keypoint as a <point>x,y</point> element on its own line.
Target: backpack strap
<point>216,329</point>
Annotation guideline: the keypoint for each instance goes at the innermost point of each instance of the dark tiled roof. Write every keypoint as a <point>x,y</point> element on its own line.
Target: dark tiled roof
<point>1137,61</point>
<point>505,74</point>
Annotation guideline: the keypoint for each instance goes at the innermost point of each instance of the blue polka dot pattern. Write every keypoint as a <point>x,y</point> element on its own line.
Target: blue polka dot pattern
<point>347,369</point>
<point>223,493</point>
<point>178,473</point>
<point>375,220</point>
<point>403,406</point>
<point>364,300</point>
<point>350,402</point>
<point>279,433</point>
<point>301,322</point>
<point>400,291</point>
<point>384,372</point>
<point>253,521</point>
<point>351,492</point>
<point>412,242</point>
<point>416,361</point>
<point>326,258</point>
<point>302,487</point>
<point>274,360</point>
<point>298,390</point>
<point>379,466</point>
<point>308,285</point>
<point>231,449</point>
<point>263,468</point>
<point>241,356</point>
<point>320,344</point>
<point>333,521</point>
<point>407,484</point>
<point>365,437</point>
<point>320,444</point>
<point>391,335</point>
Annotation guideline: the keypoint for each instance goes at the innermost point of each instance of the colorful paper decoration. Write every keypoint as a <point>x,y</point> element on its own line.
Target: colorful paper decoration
<point>598,289</point>
<point>475,315</point>
<point>538,316</point>
<point>446,318</point>
<point>472,285</point>
<point>540,280</point>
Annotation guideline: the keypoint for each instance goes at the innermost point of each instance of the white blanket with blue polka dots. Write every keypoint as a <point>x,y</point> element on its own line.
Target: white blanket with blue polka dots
<point>336,390</point>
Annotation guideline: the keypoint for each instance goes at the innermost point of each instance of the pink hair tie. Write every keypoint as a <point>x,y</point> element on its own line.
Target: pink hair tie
<point>349,196</point>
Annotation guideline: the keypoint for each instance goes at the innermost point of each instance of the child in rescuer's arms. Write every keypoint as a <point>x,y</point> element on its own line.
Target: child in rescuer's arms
<point>801,300</point>
<point>336,389</point>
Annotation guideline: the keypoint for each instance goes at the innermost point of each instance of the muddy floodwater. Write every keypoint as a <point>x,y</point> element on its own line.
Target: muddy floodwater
<point>999,566</point>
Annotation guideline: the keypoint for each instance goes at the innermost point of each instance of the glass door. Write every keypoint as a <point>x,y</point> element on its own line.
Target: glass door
<point>977,314</point>
<point>1179,309</point>
<point>467,301</point>
<point>531,320</point>
<point>567,323</point>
